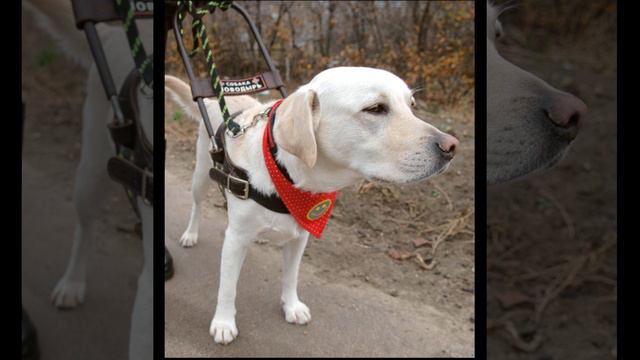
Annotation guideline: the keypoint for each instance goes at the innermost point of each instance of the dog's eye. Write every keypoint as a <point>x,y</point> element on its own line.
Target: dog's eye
<point>377,109</point>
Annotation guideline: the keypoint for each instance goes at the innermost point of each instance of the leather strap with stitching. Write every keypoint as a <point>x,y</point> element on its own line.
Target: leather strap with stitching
<point>236,180</point>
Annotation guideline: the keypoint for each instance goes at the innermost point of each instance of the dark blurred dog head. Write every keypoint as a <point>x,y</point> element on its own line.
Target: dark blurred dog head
<point>530,124</point>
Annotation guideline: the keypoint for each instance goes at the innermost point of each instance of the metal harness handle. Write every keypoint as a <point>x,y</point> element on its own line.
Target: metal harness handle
<point>200,37</point>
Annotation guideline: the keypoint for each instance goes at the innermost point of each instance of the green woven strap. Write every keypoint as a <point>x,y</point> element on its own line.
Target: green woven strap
<point>200,39</point>
<point>144,63</point>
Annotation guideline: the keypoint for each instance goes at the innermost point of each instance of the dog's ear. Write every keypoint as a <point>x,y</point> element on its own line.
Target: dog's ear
<point>181,94</point>
<point>296,123</point>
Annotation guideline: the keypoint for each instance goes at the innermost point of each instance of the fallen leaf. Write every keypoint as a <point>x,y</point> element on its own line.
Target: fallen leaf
<point>421,242</point>
<point>510,299</point>
<point>399,254</point>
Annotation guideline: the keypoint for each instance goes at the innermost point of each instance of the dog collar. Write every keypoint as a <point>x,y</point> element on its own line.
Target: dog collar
<point>311,210</point>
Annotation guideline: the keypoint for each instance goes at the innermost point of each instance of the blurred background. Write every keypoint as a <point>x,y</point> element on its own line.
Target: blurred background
<point>409,247</point>
<point>552,239</point>
<point>427,43</point>
<point>53,92</point>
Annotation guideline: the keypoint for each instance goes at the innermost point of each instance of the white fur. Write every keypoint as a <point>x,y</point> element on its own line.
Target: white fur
<point>351,145</point>
<point>92,181</point>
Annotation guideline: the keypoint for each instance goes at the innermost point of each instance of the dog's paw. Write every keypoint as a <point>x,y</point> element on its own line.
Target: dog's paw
<point>188,239</point>
<point>68,294</point>
<point>223,332</point>
<point>296,313</point>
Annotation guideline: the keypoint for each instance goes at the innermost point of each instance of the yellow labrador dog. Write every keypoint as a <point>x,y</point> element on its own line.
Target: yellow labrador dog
<point>530,124</point>
<point>347,124</point>
<point>92,184</point>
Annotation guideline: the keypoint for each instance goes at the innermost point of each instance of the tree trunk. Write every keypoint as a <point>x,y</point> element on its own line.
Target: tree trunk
<point>376,27</point>
<point>424,24</point>
<point>274,35</point>
<point>415,11</point>
<point>292,27</point>
<point>330,25</point>
<point>319,43</point>
<point>355,16</point>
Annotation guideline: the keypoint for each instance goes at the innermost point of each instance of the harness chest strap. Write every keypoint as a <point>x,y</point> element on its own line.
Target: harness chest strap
<point>236,180</point>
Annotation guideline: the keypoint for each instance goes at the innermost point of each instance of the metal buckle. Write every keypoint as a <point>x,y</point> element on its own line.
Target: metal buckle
<point>218,166</point>
<point>232,135</point>
<point>143,194</point>
<point>244,196</point>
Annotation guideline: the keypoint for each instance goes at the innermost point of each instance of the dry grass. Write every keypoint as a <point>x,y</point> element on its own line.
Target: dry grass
<point>522,322</point>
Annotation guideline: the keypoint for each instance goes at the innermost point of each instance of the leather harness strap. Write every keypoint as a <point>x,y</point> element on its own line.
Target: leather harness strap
<point>236,180</point>
<point>133,164</point>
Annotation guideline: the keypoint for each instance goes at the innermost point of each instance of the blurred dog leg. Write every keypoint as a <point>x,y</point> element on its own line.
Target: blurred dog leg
<point>92,185</point>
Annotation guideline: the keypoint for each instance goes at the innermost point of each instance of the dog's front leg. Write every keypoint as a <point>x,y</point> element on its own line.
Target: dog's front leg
<point>92,185</point>
<point>141,336</point>
<point>295,311</point>
<point>223,326</point>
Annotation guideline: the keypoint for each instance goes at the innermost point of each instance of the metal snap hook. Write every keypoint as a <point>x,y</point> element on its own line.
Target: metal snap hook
<point>147,90</point>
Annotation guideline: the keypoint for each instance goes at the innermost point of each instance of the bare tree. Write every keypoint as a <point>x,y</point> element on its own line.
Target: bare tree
<point>274,35</point>
<point>428,43</point>
<point>425,21</point>
<point>330,25</point>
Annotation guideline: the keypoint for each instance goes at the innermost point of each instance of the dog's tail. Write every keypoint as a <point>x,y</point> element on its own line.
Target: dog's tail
<point>181,94</point>
<point>56,18</point>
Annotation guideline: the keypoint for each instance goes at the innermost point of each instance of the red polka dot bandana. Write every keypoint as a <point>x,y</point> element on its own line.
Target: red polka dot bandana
<point>311,210</point>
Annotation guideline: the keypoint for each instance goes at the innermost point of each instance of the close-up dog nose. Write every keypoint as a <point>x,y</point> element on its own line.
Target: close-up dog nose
<point>447,145</point>
<point>567,112</point>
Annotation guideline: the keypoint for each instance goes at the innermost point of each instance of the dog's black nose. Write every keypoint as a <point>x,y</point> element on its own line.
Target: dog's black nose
<point>447,146</point>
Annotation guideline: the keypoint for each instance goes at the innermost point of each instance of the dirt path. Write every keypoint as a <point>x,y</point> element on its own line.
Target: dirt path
<point>99,329</point>
<point>348,320</point>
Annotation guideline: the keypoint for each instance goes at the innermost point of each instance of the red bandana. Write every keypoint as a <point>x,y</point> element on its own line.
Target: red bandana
<point>311,210</point>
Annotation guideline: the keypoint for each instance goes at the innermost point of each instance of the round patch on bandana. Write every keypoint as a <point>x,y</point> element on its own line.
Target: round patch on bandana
<point>317,211</point>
